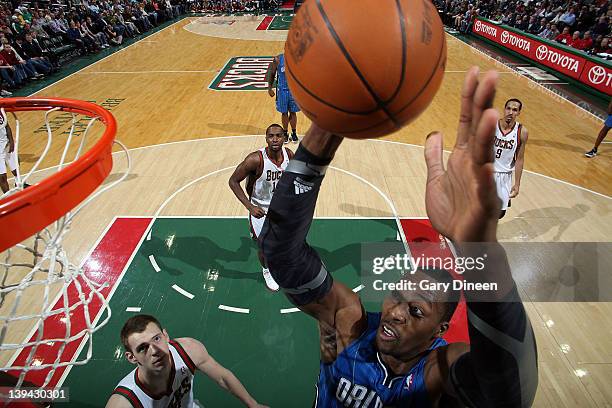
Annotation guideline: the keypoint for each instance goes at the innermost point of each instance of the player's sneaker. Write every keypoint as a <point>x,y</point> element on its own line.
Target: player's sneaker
<point>286,137</point>
<point>294,137</point>
<point>270,282</point>
<point>591,153</point>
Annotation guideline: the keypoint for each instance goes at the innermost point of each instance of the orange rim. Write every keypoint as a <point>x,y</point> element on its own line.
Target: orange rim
<point>29,211</point>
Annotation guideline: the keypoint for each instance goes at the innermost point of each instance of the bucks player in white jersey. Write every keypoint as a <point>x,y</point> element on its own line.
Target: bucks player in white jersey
<point>7,153</point>
<point>509,153</point>
<point>165,369</point>
<point>262,169</point>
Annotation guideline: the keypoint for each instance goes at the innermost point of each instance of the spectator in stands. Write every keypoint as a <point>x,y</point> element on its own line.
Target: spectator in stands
<point>23,50</point>
<point>32,48</point>
<point>554,32</point>
<point>523,23</point>
<point>568,18</point>
<point>10,74</point>
<point>546,32</point>
<point>565,37</point>
<point>602,27</point>
<point>74,34</point>
<point>587,41</point>
<point>604,47</point>
<point>25,69</point>
<point>576,41</point>
<point>37,25</point>
<point>99,37</point>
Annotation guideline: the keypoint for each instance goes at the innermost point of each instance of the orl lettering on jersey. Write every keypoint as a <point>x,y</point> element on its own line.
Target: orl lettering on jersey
<point>355,395</point>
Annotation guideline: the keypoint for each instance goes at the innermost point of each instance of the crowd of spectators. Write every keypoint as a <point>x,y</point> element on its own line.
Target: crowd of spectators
<point>34,39</point>
<point>583,24</point>
<point>237,6</point>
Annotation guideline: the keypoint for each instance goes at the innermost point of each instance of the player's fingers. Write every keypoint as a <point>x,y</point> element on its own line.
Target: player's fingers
<point>467,98</point>
<point>483,98</point>
<point>433,155</point>
<point>482,144</point>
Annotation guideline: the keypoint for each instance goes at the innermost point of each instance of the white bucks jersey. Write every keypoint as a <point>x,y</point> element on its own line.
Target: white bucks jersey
<point>3,136</point>
<point>506,147</point>
<point>181,394</point>
<point>261,187</point>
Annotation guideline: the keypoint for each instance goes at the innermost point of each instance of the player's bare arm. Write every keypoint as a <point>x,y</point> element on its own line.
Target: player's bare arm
<point>520,161</point>
<point>272,75</point>
<point>216,372</point>
<point>462,205</point>
<point>11,141</point>
<point>118,401</point>
<point>248,167</point>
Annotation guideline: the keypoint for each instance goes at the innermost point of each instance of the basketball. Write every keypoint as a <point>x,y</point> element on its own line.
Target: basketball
<point>365,71</point>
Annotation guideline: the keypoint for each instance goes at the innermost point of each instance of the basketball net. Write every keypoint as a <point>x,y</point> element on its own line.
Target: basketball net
<point>39,283</point>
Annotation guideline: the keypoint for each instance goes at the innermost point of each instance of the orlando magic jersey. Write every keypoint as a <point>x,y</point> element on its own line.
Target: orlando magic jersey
<point>282,79</point>
<point>358,378</point>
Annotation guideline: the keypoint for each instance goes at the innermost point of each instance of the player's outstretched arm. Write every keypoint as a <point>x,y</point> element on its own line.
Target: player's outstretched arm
<point>500,368</point>
<point>215,371</point>
<point>295,265</point>
<point>118,401</point>
<point>248,167</point>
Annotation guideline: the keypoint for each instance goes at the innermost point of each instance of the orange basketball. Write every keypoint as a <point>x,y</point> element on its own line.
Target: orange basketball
<point>365,68</point>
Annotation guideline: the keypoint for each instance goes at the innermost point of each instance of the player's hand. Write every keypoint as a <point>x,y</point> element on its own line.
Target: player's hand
<point>257,212</point>
<point>271,92</point>
<point>514,191</point>
<point>462,201</point>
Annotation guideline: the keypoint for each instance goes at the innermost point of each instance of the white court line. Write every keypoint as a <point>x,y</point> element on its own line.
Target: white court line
<point>154,263</point>
<point>358,288</point>
<point>290,310</point>
<point>102,59</point>
<point>522,76</point>
<point>464,72</point>
<point>133,309</point>
<point>234,309</point>
<point>524,171</point>
<point>182,291</point>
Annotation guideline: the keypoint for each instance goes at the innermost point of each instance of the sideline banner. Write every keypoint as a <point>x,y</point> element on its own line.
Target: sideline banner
<point>590,71</point>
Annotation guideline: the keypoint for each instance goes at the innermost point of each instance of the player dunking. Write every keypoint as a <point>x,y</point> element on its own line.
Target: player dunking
<point>263,169</point>
<point>285,103</point>
<point>397,357</point>
<point>165,369</point>
<point>509,153</point>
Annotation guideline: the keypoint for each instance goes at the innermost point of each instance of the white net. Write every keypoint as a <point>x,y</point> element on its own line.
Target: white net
<point>50,306</point>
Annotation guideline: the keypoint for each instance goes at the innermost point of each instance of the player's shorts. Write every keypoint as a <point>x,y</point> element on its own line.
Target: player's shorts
<point>256,224</point>
<point>285,102</point>
<point>503,182</point>
<point>608,121</point>
<point>6,156</point>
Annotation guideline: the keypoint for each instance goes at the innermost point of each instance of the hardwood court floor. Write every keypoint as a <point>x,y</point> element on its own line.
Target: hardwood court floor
<point>160,91</point>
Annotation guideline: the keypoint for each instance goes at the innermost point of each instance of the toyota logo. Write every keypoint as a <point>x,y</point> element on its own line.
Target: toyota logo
<point>478,26</point>
<point>541,52</point>
<point>597,74</point>
<point>504,37</point>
